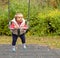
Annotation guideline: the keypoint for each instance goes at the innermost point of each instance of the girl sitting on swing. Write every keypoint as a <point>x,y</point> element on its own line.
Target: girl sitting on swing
<point>18,27</point>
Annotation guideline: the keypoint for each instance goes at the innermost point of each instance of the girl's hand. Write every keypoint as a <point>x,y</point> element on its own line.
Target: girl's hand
<point>12,26</point>
<point>16,27</point>
<point>25,27</point>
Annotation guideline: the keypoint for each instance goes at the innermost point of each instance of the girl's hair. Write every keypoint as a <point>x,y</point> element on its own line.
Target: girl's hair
<point>18,15</point>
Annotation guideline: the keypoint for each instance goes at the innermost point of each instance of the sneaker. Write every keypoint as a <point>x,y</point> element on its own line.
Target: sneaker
<point>24,46</point>
<point>13,49</point>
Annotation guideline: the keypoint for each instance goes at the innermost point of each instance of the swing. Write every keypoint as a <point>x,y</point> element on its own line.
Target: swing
<point>27,21</point>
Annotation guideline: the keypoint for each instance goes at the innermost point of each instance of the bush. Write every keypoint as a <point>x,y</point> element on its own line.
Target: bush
<point>42,22</point>
<point>4,24</point>
<point>46,23</point>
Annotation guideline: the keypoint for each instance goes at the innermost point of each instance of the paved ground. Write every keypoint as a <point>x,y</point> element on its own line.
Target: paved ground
<point>32,51</point>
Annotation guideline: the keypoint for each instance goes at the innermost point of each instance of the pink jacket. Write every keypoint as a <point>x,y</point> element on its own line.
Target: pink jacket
<point>23,27</point>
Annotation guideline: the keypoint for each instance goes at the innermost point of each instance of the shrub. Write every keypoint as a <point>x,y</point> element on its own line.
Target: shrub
<point>51,21</point>
<point>42,22</point>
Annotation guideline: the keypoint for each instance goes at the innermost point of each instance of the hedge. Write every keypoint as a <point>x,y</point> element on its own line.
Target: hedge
<point>42,22</point>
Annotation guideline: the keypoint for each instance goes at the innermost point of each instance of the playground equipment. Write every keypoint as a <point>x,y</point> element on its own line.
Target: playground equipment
<point>19,2</point>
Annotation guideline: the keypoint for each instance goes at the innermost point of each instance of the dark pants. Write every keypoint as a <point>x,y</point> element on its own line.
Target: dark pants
<point>14,39</point>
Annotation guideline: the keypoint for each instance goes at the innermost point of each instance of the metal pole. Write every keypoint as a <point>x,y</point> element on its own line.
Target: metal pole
<point>28,10</point>
<point>28,13</point>
<point>8,10</point>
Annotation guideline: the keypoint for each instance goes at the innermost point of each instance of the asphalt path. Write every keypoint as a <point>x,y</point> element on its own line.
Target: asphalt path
<point>32,51</point>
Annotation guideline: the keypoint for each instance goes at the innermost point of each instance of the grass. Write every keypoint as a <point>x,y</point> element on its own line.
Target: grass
<point>52,41</point>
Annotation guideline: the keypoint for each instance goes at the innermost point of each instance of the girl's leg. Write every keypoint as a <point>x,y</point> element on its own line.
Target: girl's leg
<point>14,39</point>
<point>23,40</point>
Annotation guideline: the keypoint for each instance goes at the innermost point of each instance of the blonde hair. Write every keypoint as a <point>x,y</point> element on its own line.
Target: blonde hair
<point>18,15</point>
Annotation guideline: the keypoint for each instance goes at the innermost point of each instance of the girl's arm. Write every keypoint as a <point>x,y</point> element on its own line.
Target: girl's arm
<point>12,26</point>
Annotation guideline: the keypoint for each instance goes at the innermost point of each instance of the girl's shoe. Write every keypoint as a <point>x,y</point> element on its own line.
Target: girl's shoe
<point>13,49</point>
<point>24,46</point>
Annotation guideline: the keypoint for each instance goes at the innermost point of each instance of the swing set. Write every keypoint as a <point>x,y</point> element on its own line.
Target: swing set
<point>28,11</point>
<point>27,22</point>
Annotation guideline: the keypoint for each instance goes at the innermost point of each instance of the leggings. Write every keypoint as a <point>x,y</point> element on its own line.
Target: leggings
<point>14,39</point>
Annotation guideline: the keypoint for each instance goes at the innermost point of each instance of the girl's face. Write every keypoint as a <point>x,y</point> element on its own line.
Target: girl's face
<point>19,18</point>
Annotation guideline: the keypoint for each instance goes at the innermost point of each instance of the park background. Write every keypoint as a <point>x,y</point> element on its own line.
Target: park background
<point>44,21</point>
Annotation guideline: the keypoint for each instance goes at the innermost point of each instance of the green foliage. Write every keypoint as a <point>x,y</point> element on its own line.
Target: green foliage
<point>46,23</point>
<point>43,21</point>
<point>4,24</point>
<point>51,22</point>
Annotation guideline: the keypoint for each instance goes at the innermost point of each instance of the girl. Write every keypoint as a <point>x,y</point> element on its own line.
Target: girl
<point>18,27</point>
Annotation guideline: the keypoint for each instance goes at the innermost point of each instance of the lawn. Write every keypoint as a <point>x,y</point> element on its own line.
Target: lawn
<point>52,41</point>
